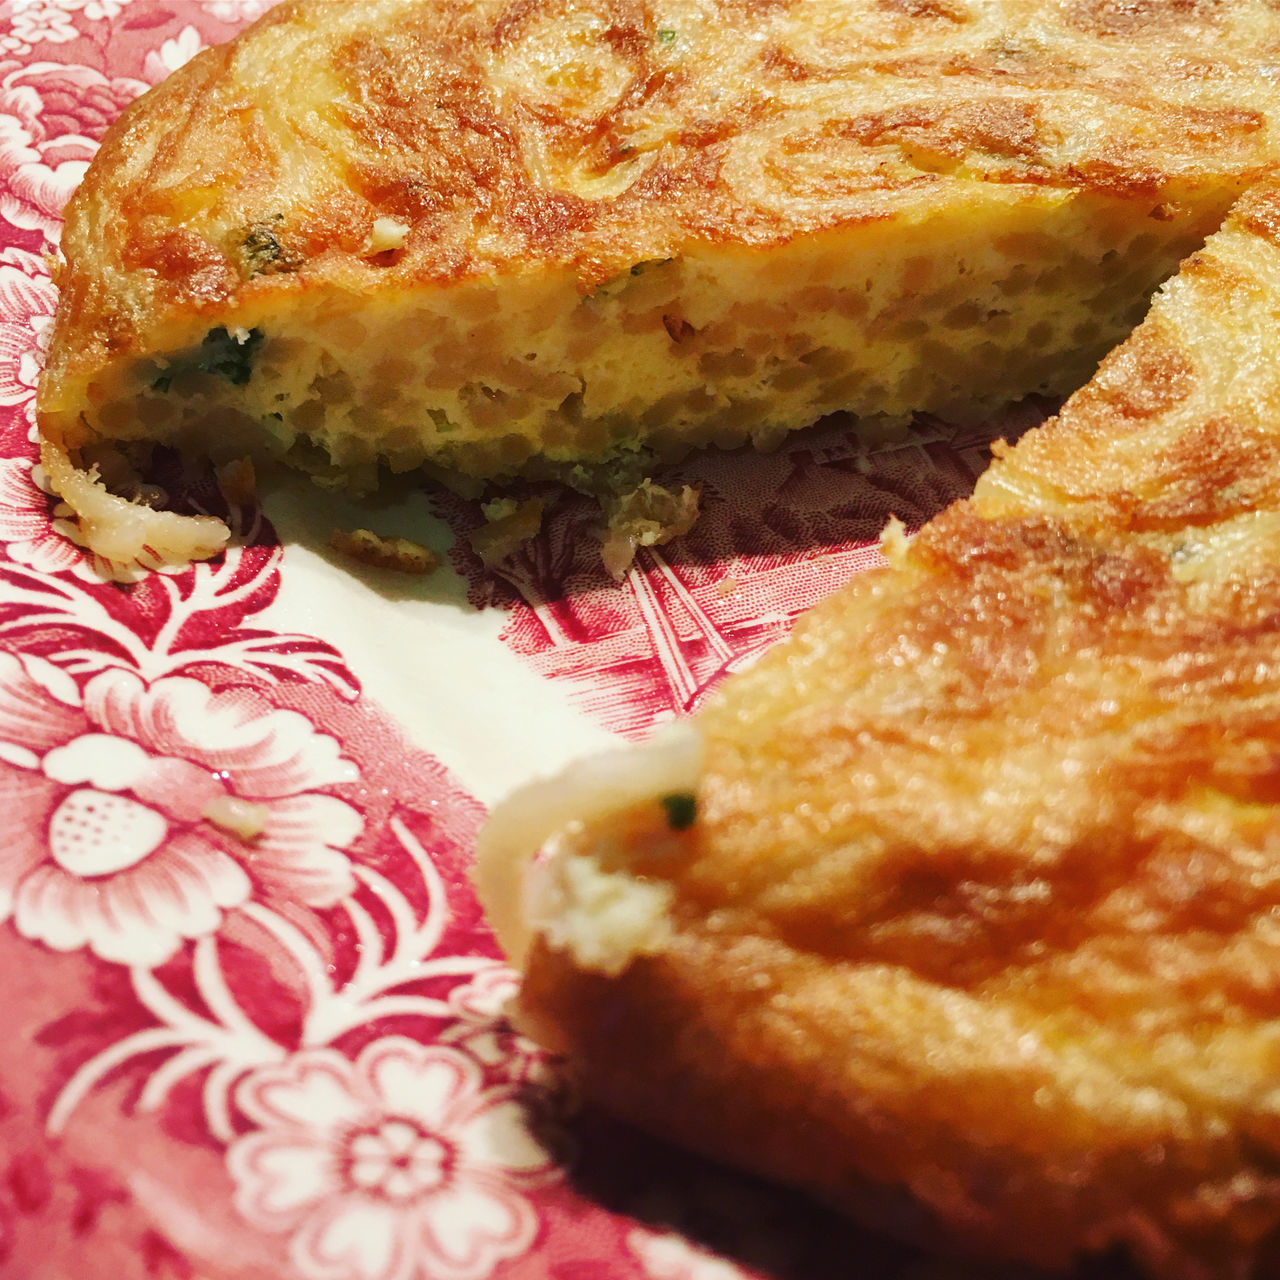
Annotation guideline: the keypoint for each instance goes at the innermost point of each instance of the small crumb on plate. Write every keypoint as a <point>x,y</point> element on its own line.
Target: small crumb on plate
<point>241,818</point>
<point>238,481</point>
<point>402,555</point>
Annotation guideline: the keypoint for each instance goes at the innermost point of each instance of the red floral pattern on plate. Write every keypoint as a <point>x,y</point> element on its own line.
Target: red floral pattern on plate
<point>776,534</point>
<point>51,116</point>
<point>125,797</point>
<point>415,1167</point>
<point>255,1018</point>
<point>27,300</point>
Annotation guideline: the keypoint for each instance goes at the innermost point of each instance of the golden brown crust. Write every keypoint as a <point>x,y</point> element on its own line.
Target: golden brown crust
<point>503,238</point>
<point>980,901</point>
<point>589,136</point>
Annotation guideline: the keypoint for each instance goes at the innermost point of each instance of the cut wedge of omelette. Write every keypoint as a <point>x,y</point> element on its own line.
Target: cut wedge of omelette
<point>961,909</point>
<point>573,238</point>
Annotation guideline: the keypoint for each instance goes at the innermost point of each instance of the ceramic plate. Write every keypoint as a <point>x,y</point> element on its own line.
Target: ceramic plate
<point>286,1058</point>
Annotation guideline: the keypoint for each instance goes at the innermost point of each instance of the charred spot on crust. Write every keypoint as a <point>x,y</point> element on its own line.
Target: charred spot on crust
<point>261,252</point>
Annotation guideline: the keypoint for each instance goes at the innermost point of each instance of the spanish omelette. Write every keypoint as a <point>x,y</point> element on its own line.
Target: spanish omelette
<point>544,237</point>
<point>961,909</point>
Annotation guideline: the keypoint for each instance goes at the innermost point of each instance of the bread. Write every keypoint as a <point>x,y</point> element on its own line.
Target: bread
<point>572,240</point>
<point>961,909</point>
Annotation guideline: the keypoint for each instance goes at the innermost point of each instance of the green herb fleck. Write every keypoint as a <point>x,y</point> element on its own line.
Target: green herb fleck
<point>666,35</point>
<point>682,810</point>
<point>221,354</point>
<point>227,357</point>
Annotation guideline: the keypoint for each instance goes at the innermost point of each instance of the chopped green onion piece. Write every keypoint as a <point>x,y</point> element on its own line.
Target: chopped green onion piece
<point>682,810</point>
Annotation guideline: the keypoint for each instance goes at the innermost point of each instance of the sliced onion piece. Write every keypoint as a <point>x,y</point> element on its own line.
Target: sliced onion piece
<point>523,824</point>
<point>124,531</point>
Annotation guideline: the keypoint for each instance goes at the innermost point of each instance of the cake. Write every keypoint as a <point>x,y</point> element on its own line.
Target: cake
<point>959,910</point>
<point>573,241</point>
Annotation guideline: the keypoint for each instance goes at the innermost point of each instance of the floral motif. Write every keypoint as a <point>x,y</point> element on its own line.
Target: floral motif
<point>669,1256</point>
<point>236,10</point>
<point>172,54</point>
<point>483,1030</point>
<point>96,10</point>
<point>51,117</point>
<point>38,21</point>
<point>139,813</point>
<point>30,537</point>
<point>486,997</point>
<point>27,302</point>
<point>399,1165</point>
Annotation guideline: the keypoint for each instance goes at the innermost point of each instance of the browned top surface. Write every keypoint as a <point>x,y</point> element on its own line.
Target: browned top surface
<point>511,134</point>
<point>982,897</point>
<point>1051,737</point>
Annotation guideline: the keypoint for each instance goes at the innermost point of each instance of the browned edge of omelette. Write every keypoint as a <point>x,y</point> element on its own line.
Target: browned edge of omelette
<point>966,896</point>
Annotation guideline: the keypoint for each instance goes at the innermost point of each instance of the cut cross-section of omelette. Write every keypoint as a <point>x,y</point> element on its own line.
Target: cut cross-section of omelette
<point>962,907</point>
<point>572,239</point>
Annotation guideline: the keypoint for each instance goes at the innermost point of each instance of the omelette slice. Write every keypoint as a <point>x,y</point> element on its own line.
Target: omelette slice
<point>573,238</point>
<point>961,909</point>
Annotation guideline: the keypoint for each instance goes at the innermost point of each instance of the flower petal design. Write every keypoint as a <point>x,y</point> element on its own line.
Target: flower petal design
<point>172,54</point>
<point>43,20</point>
<point>60,686</point>
<point>236,10</point>
<point>27,304</point>
<point>431,1087</point>
<point>499,1137</point>
<point>313,1094</point>
<point>24,798</point>
<point>24,510</point>
<point>469,1227</point>
<point>400,1166</point>
<point>50,116</point>
<point>96,10</point>
<point>29,716</point>
<point>26,523</point>
<point>270,752</point>
<point>137,859</point>
<point>187,885</point>
<point>357,1239</point>
<point>487,995</point>
<point>110,763</point>
<point>298,855</point>
<point>16,128</point>
<point>279,1180</point>
<point>36,193</point>
<point>137,916</point>
<point>668,1256</point>
<point>47,909</point>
